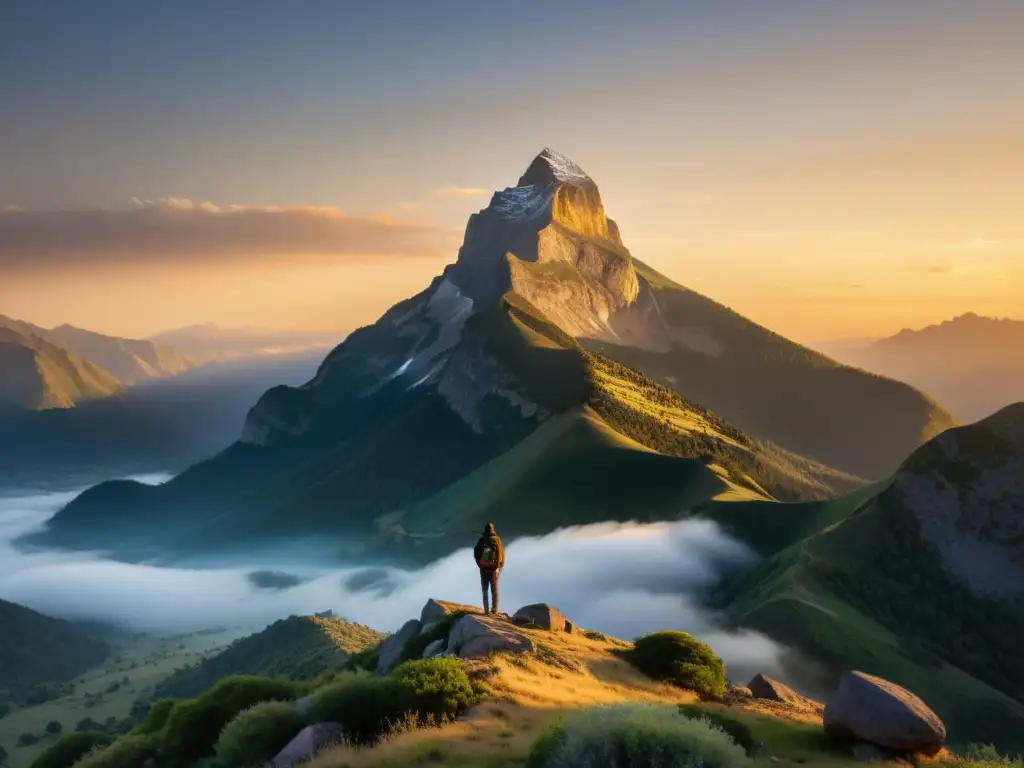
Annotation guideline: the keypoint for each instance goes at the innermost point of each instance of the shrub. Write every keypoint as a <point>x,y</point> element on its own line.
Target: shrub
<point>156,716</point>
<point>365,659</point>
<point>257,734</point>
<point>680,659</point>
<point>193,726</point>
<point>69,748</point>
<point>734,729</point>
<point>127,752</point>
<point>54,727</point>
<point>439,687</point>
<point>365,706</point>
<point>88,724</point>
<point>27,739</point>
<point>630,735</point>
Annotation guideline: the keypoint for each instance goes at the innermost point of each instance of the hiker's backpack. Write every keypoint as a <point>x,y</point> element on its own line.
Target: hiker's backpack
<point>489,556</point>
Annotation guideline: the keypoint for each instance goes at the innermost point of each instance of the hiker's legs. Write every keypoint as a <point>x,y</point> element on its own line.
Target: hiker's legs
<point>484,581</point>
<point>494,590</point>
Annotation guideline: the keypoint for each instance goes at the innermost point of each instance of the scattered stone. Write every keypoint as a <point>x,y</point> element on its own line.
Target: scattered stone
<point>435,648</point>
<point>302,706</point>
<point>868,708</point>
<point>570,628</point>
<point>436,610</point>
<point>304,747</point>
<point>474,636</point>
<point>764,687</point>
<point>542,615</point>
<point>391,648</point>
<point>738,692</point>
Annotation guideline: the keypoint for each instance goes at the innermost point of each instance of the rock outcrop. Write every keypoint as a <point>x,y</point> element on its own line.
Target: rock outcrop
<point>391,649</point>
<point>480,635</point>
<point>305,746</point>
<point>438,610</point>
<point>869,709</point>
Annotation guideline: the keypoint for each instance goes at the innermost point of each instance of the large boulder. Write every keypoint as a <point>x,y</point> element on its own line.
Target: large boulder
<point>764,687</point>
<point>307,744</point>
<point>436,610</point>
<point>868,708</point>
<point>391,649</point>
<point>541,615</point>
<point>474,636</point>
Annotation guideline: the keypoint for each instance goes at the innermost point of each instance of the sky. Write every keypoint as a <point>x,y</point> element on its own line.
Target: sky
<point>827,169</point>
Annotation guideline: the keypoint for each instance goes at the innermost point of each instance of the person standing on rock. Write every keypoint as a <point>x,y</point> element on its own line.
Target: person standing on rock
<point>489,554</point>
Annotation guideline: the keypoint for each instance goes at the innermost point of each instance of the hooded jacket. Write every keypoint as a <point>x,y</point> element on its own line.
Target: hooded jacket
<point>489,537</point>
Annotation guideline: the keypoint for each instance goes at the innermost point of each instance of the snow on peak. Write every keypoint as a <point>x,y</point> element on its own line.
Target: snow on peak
<point>552,167</point>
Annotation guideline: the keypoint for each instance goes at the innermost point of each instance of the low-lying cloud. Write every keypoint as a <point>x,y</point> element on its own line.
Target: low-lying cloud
<point>180,230</point>
<point>621,579</point>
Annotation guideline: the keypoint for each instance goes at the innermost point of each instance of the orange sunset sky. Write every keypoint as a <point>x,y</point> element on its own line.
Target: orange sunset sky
<point>826,169</point>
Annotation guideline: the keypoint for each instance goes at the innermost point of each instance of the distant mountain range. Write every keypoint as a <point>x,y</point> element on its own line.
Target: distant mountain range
<point>544,351</point>
<point>58,367</point>
<point>47,368</point>
<point>973,364</point>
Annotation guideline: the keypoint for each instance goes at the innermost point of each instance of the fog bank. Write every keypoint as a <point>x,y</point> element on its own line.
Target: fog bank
<point>621,579</point>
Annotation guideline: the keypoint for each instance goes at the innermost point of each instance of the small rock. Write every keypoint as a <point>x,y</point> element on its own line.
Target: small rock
<point>542,615</point>
<point>391,649</point>
<point>474,636</point>
<point>764,687</point>
<point>435,648</point>
<point>738,692</point>
<point>868,708</point>
<point>304,747</point>
<point>570,628</point>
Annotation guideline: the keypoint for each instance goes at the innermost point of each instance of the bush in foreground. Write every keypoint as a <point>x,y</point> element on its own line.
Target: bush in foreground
<point>69,748</point>
<point>126,752</point>
<point>680,659</point>
<point>440,688</point>
<point>734,729</point>
<point>365,706</point>
<point>257,734</point>
<point>193,726</point>
<point>635,736</point>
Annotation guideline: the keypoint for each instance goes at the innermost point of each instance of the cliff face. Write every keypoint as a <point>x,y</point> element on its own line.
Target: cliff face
<point>966,489</point>
<point>547,239</point>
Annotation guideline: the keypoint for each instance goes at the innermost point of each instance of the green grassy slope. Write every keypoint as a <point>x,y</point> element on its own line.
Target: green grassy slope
<point>369,461</point>
<point>299,647</point>
<point>850,584</point>
<point>773,388</point>
<point>37,649</point>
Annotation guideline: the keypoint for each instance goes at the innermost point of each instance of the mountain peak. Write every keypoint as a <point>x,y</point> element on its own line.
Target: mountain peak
<point>551,167</point>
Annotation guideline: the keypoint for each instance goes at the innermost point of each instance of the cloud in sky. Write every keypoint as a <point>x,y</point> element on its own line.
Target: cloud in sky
<point>177,230</point>
<point>456,192</point>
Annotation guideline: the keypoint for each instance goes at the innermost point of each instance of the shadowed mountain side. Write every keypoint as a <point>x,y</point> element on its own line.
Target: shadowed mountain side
<point>878,581</point>
<point>37,649</point>
<point>162,425</point>
<point>779,390</point>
